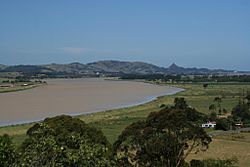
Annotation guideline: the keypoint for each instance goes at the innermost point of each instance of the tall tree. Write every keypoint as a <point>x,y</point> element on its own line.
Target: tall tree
<point>64,141</point>
<point>212,107</point>
<point>180,103</point>
<point>218,100</point>
<point>164,139</point>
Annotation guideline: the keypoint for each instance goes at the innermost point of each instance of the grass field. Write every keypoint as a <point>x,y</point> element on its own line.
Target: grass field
<point>113,122</point>
<point>228,146</point>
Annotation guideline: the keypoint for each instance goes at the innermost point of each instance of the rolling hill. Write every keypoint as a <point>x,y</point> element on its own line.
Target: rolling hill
<point>108,67</point>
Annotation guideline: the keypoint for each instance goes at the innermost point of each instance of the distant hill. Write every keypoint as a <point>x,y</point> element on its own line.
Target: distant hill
<point>26,69</point>
<point>174,69</point>
<point>126,67</point>
<point>108,67</point>
<point>2,66</point>
<point>71,68</point>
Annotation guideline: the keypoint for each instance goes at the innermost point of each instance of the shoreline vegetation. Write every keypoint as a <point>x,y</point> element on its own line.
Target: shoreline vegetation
<point>112,122</point>
<point>17,89</point>
<point>11,85</point>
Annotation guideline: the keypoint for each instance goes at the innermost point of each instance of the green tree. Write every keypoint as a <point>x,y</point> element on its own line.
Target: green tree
<point>224,111</point>
<point>7,151</point>
<point>247,97</point>
<point>223,124</point>
<point>212,107</point>
<point>64,141</point>
<point>213,116</point>
<point>205,85</point>
<point>242,110</point>
<point>180,103</point>
<point>164,139</point>
<point>218,100</point>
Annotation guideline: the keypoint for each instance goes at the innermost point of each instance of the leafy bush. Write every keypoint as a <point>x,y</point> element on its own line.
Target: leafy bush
<point>64,141</point>
<point>7,151</point>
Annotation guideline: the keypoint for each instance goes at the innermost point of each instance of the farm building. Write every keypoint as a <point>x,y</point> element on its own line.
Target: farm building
<point>209,125</point>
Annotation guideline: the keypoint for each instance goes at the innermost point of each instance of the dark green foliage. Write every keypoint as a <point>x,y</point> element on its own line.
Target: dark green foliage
<point>213,116</point>
<point>162,105</point>
<point>242,110</point>
<point>190,113</point>
<point>64,141</point>
<point>180,103</point>
<point>7,151</point>
<point>247,97</point>
<point>62,126</point>
<point>205,86</point>
<point>164,139</point>
<point>196,163</point>
<point>223,124</point>
<point>6,81</point>
<point>224,111</point>
<point>217,99</point>
<point>212,107</point>
<point>186,78</point>
<point>151,77</point>
<point>214,163</point>
<point>22,79</point>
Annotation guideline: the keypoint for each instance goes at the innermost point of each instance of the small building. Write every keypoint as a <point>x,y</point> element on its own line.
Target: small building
<point>238,125</point>
<point>209,125</point>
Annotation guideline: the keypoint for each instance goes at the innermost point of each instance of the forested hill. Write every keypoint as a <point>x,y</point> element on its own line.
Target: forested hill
<point>108,67</point>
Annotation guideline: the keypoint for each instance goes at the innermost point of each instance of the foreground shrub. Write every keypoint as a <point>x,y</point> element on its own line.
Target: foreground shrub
<point>7,151</point>
<point>64,141</point>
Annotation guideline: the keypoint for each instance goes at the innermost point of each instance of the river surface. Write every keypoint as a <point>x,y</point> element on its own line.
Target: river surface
<point>75,97</point>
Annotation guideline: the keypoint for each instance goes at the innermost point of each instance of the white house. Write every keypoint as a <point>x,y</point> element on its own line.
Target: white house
<point>209,125</point>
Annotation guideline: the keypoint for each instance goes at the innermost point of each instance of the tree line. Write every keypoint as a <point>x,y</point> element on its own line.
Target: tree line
<point>188,78</point>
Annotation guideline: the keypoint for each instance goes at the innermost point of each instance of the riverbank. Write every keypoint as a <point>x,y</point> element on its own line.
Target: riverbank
<point>7,88</point>
<point>76,97</point>
<point>113,122</point>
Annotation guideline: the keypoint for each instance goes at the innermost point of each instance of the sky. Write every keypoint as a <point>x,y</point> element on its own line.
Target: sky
<point>193,33</point>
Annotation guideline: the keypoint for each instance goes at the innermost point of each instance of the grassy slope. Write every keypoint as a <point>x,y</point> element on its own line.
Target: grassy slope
<point>113,122</point>
<point>229,146</point>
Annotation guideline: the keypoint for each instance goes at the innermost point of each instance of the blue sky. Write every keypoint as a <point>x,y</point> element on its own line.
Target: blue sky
<point>200,33</point>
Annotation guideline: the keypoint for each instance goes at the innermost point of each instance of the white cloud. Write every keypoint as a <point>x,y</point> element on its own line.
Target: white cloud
<point>76,50</point>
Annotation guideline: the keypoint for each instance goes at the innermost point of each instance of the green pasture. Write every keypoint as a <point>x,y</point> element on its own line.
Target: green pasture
<point>114,121</point>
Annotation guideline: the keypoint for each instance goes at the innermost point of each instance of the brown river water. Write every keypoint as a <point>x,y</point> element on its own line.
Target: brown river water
<point>75,97</point>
